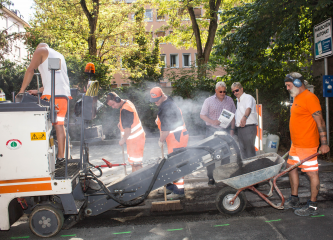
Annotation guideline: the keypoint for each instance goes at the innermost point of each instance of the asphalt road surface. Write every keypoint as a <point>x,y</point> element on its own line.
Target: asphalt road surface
<point>253,223</point>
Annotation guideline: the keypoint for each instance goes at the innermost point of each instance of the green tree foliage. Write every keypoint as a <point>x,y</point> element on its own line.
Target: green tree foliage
<point>11,78</point>
<point>143,62</point>
<point>189,28</point>
<point>263,41</point>
<point>77,76</point>
<point>81,27</point>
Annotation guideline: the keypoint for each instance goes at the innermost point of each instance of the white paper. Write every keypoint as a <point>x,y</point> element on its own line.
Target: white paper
<point>226,118</point>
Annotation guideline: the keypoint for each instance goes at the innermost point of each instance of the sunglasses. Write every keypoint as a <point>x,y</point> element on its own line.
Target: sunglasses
<point>236,90</point>
<point>223,92</point>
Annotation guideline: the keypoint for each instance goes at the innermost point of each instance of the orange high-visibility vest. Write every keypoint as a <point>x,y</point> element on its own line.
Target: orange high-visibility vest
<point>171,140</point>
<point>136,127</point>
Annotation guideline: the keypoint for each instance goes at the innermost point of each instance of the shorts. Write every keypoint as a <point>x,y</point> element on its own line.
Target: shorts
<point>298,154</point>
<point>61,109</point>
<point>135,148</point>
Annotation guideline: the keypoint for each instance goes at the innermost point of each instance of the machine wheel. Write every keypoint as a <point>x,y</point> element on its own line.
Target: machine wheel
<point>46,221</point>
<point>223,201</point>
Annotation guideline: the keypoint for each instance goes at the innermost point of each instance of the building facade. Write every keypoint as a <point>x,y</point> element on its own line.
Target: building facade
<point>13,24</point>
<point>174,59</point>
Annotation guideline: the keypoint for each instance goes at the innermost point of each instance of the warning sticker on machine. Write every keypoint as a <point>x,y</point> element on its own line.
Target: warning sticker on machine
<point>38,136</point>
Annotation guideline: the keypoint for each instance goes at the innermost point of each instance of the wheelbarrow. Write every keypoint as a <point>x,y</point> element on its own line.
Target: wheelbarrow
<point>244,175</point>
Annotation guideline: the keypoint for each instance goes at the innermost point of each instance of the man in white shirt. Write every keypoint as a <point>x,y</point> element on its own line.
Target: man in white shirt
<point>40,60</point>
<point>246,120</point>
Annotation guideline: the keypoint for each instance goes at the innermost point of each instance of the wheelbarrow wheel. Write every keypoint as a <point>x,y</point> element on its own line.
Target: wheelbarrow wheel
<point>224,197</point>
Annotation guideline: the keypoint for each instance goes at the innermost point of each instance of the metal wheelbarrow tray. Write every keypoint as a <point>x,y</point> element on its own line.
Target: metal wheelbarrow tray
<point>249,172</point>
<point>243,175</point>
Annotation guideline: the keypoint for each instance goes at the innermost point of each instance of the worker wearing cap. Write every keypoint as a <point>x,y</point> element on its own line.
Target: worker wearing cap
<point>131,129</point>
<point>172,130</point>
<point>307,126</point>
<point>40,60</point>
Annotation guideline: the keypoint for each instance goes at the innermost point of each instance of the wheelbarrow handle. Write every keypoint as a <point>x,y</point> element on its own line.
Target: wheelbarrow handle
<point>288,170</point>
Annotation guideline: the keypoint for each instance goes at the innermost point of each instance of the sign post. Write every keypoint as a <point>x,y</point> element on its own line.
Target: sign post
<point>323,49</point>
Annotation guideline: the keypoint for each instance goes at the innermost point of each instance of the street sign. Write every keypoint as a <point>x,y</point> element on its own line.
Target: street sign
<point>323,39</point>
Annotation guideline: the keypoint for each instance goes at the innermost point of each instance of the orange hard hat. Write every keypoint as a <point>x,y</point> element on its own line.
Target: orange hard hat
<point>90,68</point>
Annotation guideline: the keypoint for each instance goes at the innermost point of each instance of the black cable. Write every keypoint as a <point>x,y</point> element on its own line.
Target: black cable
<point>140,199</point>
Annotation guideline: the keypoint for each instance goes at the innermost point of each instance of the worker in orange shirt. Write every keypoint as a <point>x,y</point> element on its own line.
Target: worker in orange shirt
<point>40,60</point>
<point>306,127</point>
<point>131,129</point>
<point>172,130</point>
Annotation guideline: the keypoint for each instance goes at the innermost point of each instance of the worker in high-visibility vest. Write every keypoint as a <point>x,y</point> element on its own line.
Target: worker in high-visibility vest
<point>131,129</point>
<point>172,130</point>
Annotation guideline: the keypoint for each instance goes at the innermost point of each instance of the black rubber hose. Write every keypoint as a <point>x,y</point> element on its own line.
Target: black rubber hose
<point>137,201</point>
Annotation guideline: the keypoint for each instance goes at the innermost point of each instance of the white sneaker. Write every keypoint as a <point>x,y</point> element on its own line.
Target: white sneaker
<point>174,196</point>
<point>161,191</point>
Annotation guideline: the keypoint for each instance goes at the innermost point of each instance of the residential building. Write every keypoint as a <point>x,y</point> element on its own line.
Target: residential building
<point>174,59</point>
<point>12,23</point>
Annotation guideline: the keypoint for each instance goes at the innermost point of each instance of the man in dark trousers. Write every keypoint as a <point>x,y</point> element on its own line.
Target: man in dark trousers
<point>210,113</point>
<point>246,120</point>
<point>172,130</point>
<point>306,126</point>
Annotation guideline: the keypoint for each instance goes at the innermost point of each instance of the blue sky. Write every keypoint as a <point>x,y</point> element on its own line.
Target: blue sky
<point>24,6</point>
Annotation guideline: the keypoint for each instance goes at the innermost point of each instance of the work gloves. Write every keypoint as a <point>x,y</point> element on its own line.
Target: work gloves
<point>160,144</point>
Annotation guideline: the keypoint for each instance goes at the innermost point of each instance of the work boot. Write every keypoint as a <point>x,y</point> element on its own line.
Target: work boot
<point>60,162</point>
<point>161,191</point>
<point>174,196</point>
<point>211,182</point>
<point>310,208</point>
<point>292,202</point>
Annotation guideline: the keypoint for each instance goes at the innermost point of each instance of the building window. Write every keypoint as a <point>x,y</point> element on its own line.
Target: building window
<point>122,64</point>
<point>149,15</point>
<point>160,34</point>
<point>3,23</point>
<point>114,85</point>
<point>150,35</point>
<point>17,53</point>
<point>197,12</point>
<point>186,60</point>
<point>159,17</point>
<point>163,60</point>
<point>174,60</point>
<point>196,59</point>
<point>125,85</point>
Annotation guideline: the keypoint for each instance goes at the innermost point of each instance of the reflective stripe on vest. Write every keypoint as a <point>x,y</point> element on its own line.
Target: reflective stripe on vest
<point>137,130</point>
<point>178,129</point>
<point>136,134</point>
<point>134,129</point>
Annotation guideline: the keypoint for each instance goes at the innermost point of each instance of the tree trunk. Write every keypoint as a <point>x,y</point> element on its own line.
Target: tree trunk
<point>92,19</point>
<point>203,54</point>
